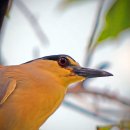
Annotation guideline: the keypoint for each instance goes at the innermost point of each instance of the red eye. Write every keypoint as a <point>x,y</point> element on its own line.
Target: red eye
<point>63,61</point>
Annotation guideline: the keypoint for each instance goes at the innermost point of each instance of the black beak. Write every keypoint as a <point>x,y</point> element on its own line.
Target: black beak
<point>90,73</point>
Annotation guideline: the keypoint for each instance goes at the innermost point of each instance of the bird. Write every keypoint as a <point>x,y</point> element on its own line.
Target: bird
<point>32,91</point>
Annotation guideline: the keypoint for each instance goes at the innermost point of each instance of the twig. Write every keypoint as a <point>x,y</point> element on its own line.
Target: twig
<point>86,112</point>
<point>89,50</point>
<point>33,21</point>
<point>80,89</point>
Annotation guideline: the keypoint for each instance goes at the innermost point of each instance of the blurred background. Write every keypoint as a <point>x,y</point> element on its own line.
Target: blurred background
<point>96,34</point>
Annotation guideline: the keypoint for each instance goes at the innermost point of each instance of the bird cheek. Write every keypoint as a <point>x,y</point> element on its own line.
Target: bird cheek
<point>80,78</point>
<point>76,78</point>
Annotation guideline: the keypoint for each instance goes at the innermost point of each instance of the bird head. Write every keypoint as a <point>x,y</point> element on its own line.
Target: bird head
<point>68,70</point>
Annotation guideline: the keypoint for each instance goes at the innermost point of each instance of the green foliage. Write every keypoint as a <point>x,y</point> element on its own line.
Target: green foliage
<point>104,128</point>
<point>117,20</point>
<point>123,125</point>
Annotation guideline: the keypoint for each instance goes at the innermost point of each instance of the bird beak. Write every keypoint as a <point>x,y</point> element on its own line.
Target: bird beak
<point>90,73</point>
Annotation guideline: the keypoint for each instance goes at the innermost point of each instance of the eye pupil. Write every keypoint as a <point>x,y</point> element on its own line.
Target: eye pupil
<point>63,61</point>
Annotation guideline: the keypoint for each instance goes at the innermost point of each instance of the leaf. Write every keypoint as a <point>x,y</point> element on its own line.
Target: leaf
<point>117,20</point>
<point>105,128</point>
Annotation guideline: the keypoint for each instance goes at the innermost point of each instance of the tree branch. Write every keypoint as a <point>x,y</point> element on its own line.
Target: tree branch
<point>86,112</point>
<point>79,89</point>
<point>33,21</point>
<point>90,49</point>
